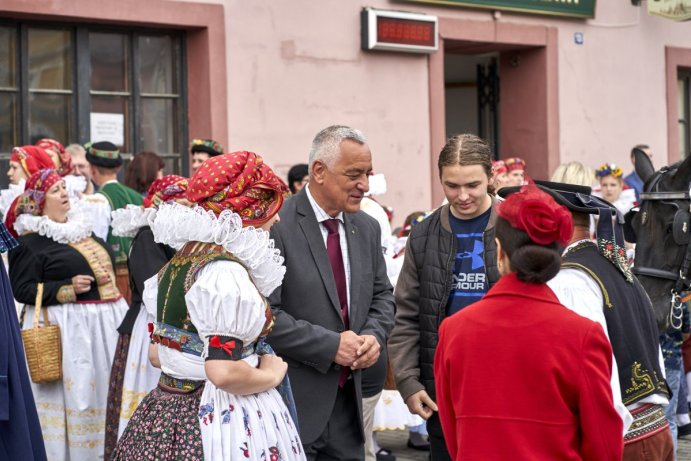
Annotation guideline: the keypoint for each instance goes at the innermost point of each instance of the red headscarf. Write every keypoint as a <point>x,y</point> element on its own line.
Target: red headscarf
<point>537,214</point>
<point>33,199</point>
<point>164,189</point>
<point>31,159</point>
<point>240,182</point>
<point>55,146</point>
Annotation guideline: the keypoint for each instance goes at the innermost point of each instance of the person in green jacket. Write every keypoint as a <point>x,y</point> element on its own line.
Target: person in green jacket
<point>105,160</point>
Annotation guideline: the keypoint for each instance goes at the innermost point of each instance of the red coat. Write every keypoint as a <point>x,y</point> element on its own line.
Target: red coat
<point>521,377</point>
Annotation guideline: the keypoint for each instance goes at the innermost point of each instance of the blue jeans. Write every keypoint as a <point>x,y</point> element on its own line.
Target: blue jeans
<point>674,383</point>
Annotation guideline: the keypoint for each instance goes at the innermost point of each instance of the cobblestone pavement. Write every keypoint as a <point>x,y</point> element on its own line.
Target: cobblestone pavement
<point>396,442</point>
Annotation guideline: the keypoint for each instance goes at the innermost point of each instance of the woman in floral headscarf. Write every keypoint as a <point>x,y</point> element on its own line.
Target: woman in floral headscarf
<point>216,399</point>
<point>132,376</point>
<point>57,248</point>
<point>62,162</point>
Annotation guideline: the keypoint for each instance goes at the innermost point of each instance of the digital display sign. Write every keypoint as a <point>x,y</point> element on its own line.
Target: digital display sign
<point>398,31</point>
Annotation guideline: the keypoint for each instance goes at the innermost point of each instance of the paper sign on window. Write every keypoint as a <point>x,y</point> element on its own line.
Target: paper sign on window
<point>108,127</point>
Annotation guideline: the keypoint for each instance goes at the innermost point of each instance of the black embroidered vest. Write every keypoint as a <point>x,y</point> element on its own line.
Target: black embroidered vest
<point>176,278</point>
<point>631,324</point>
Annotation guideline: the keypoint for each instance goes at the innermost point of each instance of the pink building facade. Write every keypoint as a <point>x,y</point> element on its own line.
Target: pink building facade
<point>266,75</point>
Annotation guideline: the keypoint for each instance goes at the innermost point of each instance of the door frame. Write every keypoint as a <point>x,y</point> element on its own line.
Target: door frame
<point>529,78</point>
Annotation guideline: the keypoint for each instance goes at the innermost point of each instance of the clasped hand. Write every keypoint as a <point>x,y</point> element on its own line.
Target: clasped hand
<point>357,351</point>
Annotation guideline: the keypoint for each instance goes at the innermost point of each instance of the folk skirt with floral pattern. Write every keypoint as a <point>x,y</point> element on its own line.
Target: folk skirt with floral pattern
<point>164,427</point>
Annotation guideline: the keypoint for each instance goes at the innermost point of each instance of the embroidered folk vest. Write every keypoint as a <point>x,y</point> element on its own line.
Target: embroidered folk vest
<point>174,327</point>
<point>631,324</point>
<point>177,277</point>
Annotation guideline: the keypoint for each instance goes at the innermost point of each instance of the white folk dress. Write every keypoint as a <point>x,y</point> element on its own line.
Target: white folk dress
<point>72,410</point>
<point>140,376</point>
<point>227,299</point>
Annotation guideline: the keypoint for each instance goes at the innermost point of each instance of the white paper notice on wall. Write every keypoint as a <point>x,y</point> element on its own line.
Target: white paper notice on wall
<point>108,127</point>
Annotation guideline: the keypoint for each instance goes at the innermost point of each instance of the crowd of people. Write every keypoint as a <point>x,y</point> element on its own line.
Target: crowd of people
<point>234,315</point>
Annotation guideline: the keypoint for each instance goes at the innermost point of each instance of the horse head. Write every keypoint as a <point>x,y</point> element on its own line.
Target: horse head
<point>661,227</point>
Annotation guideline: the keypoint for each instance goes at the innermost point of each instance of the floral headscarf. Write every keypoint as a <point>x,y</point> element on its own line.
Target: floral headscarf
<point>164,189</point>
<point>514,163</point>
<point>65,159</point>
<point>33,199</point>
<point>240,182</point>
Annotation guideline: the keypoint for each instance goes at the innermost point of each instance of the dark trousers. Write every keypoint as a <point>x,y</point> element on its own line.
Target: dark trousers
<point>342,438</point>
<point>437,444</point>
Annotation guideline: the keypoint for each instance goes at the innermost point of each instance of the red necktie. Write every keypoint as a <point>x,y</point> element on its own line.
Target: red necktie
<point>333,249</point>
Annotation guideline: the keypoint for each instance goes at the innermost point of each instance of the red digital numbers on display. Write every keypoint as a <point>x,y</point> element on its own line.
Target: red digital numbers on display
<point>405,31</point>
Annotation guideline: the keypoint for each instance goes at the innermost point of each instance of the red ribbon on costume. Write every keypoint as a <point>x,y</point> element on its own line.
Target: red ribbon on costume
<point>228,346</point>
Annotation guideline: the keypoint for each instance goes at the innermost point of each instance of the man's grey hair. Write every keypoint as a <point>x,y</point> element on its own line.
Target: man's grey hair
<point>75,150</point>
<point>326,145</point>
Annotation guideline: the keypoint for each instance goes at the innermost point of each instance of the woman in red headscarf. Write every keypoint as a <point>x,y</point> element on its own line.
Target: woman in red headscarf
<point>62,162</point>
<point>132,376</point>
<point>57,249</point>
<point>25,161</point>
<point>215,395</point>
<point>518,375</point>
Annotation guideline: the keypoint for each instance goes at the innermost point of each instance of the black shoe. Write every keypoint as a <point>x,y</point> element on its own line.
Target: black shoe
<point>421,447</point>
<point>684,430</point>
<point>385,455</point>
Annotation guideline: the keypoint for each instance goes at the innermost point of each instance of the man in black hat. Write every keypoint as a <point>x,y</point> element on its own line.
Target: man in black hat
<point>596,282</point>
<point>105,161</point>
<point>202,150</point>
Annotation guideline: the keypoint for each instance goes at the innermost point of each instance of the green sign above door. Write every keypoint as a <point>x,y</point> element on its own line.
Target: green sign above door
<point>568,8</point>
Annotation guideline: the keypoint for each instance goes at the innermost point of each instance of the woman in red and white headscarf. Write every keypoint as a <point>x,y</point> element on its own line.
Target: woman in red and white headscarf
<point>57,249</point>
<point>25,161</point>
<point>215,394</point>
<point>132,376</point>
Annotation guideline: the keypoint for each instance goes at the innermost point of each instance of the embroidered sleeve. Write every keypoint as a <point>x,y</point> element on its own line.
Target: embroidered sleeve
<point>66,294</point>
<point>224,348</point>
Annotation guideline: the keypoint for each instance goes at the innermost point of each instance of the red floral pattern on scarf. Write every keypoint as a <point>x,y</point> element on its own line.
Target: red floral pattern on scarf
<point>240,182</point>
<point>33,199</point>
<point>170,187</point>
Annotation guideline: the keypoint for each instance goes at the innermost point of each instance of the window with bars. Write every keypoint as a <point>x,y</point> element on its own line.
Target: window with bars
<point>90,83</point>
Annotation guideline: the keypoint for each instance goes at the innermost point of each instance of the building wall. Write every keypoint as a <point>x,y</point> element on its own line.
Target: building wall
<point>297,67</point>
<point>293,67</point>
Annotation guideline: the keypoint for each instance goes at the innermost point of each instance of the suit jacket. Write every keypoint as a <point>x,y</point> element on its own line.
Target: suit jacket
<point>308,323</point>
<point>521,377</point>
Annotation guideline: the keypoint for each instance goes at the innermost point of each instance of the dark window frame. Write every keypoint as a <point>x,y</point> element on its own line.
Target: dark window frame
<point>81,93</point>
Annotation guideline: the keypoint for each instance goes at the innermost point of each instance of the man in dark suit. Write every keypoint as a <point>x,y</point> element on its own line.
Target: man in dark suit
<point>335,309</point>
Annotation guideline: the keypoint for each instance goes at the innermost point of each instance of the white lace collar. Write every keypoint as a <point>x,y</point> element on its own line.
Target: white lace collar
<point>77,227</point>
<point>127,221</point>
<point>176,224</point>
<point>8,195</point>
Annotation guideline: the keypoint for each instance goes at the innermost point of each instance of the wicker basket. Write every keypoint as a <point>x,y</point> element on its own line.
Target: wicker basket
<point>42,346</point>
